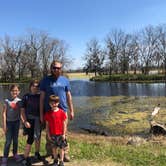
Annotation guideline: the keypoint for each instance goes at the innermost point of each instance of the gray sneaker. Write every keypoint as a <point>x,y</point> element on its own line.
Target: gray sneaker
<point>4,161</point>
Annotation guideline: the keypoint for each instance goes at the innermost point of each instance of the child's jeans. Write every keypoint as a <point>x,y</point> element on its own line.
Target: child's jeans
<point>11,135</point>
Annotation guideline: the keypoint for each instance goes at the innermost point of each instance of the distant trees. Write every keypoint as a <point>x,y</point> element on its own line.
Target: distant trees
<point>94,57</point>
<point>30,56</point>
<point>139,52</point>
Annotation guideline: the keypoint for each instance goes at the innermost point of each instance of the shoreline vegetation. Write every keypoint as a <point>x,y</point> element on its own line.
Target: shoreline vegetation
<point>128,78</point>
<point>140,78</point>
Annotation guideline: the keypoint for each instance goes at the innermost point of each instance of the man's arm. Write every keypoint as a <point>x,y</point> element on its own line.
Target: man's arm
<point>64,128</point>
<point>48,131</point>
<point>70,104</point>
<point>42,96</point>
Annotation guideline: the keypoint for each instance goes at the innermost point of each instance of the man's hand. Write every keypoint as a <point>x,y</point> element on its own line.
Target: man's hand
<point>41,119</point>
<point>71,115</point>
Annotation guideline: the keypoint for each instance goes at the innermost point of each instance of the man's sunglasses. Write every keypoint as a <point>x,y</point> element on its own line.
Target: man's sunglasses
<point>56,68</point>
<point>36,86</point>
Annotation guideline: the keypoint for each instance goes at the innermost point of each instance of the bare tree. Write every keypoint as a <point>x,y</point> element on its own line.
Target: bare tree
<point>11,53</point>
<point>118,51</point>
<point>112,55</point>
<point>161,46</point>
<point>134,53</point>
<point>94,57</point>
<point>124,58</point>
<point>33,45</point>
<point>147,47</point>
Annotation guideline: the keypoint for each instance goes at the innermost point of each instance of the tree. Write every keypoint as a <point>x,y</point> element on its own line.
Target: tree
<point>147,47</point>
<point>11,52</point>
<point>111,52</point>
<point>134,53</point>
<point>94,57</point>
<point>161,46</point>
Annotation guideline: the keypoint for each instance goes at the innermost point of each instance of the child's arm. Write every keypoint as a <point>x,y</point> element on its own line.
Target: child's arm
<point>24,119</point>
<point>48,131</point>
<point>4,118</point>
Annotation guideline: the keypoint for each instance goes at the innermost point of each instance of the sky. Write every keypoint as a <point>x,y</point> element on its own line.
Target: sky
<point>78,21</point>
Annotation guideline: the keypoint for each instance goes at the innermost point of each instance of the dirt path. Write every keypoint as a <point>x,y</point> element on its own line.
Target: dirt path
<point>11,162</point>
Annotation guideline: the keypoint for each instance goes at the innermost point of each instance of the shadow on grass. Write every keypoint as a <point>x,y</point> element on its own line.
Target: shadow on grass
<point>11,161</point>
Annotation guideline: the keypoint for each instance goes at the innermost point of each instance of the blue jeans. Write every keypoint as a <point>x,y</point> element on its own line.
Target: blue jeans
<point>11,135</point>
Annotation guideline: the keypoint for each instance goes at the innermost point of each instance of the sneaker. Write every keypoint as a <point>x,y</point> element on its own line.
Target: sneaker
<point>55,162</point>
<point>4,161</point>
<point>17,158</point>
<point>26,162</point>
<point>61,163</point>
<point>66,158</point>
<point>38,156</point>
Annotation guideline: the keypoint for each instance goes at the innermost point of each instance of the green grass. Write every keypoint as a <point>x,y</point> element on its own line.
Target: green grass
<point>144,155</point>
<point>130,78</point>
<point>114,149</point>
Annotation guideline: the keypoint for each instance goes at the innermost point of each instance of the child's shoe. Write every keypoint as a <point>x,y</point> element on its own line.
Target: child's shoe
<point>26,162</point>
<point>4,161</point>
<point>17,158</point>
<point>38,156</point>
<point>61,163</point>
<point>55,162</point>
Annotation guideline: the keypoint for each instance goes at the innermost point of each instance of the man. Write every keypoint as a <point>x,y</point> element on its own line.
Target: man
<point>56,84</point>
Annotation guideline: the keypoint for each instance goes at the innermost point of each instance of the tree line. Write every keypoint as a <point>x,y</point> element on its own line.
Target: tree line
<point>30,55</point>
<point>122,53</point>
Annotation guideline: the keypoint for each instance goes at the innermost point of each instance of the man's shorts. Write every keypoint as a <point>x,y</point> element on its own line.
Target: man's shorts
<point>58,141</point>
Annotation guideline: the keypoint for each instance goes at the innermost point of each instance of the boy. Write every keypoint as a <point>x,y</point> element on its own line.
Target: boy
<point>56,120</point>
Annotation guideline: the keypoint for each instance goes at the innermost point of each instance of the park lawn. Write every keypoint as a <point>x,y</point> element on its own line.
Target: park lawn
<point>92,150</point>
<point>127,116</point>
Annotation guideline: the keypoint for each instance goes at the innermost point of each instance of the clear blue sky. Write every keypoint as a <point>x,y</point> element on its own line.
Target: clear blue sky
<point>78,21</point>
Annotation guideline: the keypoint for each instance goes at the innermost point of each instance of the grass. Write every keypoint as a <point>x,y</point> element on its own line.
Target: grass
<point>95,150</point>
<point>130,78</point>
<point>125,117</point>
<point>80,75</point>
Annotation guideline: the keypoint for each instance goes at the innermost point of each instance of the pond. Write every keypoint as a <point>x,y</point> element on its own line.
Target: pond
<point>92,99</point>
<point>88,88</point>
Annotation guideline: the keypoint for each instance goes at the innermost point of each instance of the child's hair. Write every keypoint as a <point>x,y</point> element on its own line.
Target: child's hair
<point>13,86</point>
<point>53,98</point>
<point>33,82</point>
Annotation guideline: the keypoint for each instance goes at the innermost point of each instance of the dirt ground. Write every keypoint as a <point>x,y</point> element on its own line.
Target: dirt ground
<point>11,162</point>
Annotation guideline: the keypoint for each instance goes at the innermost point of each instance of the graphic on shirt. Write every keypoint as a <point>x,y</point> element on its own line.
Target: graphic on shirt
<point>13,105</point>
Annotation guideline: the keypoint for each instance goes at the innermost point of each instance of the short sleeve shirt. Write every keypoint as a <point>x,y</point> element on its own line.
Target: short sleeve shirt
<point>55,121</point>
<point>58,87</point>
<point>30,102</point>
<point>13,109</point>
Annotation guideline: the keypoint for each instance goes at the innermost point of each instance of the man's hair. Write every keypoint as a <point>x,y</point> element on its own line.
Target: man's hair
<point>54,62</point>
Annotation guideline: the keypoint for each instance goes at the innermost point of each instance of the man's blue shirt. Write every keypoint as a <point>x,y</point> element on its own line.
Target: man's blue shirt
<point>58,87</point>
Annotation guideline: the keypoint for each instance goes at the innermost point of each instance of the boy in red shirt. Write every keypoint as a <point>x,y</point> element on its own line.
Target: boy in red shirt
<point>56,128</point>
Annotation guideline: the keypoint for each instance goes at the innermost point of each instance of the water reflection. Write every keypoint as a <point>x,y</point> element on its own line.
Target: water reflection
<point>87,88</point>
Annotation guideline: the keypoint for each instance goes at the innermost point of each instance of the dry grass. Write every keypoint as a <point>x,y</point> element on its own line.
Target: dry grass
<point>80,75</point>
